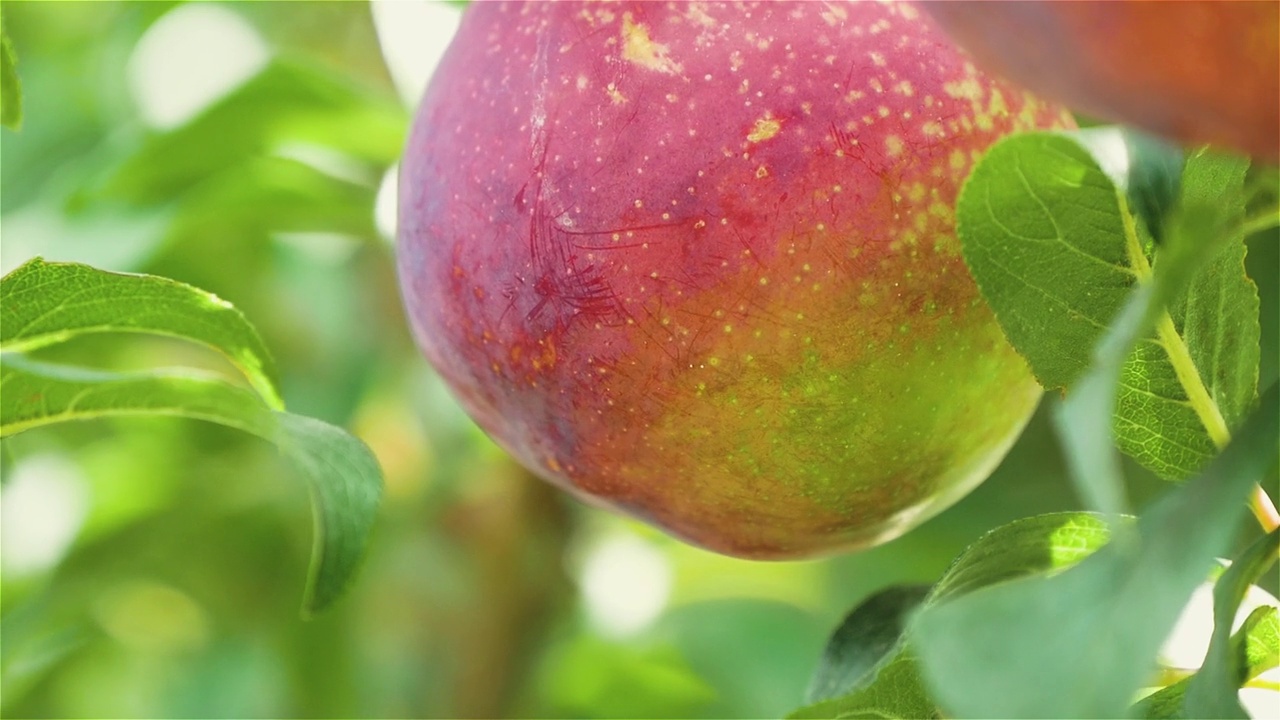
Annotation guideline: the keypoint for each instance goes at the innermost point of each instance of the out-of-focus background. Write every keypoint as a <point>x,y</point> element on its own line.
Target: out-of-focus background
<point>154,567</point>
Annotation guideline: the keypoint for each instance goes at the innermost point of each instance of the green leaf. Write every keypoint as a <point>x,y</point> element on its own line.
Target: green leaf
<point>1260,638</point>
<point>45,303</point>
<point>36,394</point>
<point>863,639</point>
<point>1218,314</point>
<point>1125,363</point>
<point>343,476</point>
<point>1213,690</point>
<point>1029,546</point>
<point>882,682</point>
<point>266,195</point>
<point>1040,226</point>
<point>346,485</point>
<point>1080,643</point>
<point>10,85</point>
<point>1184,389</point>
<point>1047,231</point>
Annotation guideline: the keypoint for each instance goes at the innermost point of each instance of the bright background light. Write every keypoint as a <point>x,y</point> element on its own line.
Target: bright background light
<point>189,58</point>
<point>42,506</point>
<point>1186,645</point>
<point>626,583</point>
<point>385,206</point>
<point>414,35</point>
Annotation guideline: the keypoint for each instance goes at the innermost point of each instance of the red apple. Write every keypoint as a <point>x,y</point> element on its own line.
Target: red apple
<point>1198,72</point>
<point>697,262</point>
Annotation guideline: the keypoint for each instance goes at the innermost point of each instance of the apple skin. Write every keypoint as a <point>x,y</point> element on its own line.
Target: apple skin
<point>1197,72</point>
<point>697,263</point>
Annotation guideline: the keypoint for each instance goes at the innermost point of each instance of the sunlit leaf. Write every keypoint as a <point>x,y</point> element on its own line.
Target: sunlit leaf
<point>45,303</point>
<point>1037,544</point>
<point>343,476</point>
<point>1260,637</point>
<point>588,676</point>
<point>270,195</point>
<point>1164,704</point>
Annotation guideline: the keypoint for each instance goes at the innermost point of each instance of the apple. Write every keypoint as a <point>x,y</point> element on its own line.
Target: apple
<point>1198,72</point>
<point>697,262</point>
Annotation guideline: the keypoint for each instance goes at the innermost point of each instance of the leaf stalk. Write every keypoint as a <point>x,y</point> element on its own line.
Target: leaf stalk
<point>1184,367</point>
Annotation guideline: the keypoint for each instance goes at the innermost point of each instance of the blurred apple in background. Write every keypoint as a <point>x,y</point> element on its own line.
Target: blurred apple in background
<point>1196,72</point>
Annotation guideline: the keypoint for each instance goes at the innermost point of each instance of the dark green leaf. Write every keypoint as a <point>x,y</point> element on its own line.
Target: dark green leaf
<point>45,303</point>
<point>886,682</point>
<point>346,485</point>
<point>343,476</point>
<point>1081,643</point>
<point>10,85</point>
<point>865,637</point>
<point>1212,692</point>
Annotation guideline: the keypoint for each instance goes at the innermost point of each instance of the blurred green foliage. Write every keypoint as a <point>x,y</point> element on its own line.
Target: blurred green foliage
<point>178,593</point>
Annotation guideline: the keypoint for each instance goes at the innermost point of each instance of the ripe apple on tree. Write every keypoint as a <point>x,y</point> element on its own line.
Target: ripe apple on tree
<point>697,262</point>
